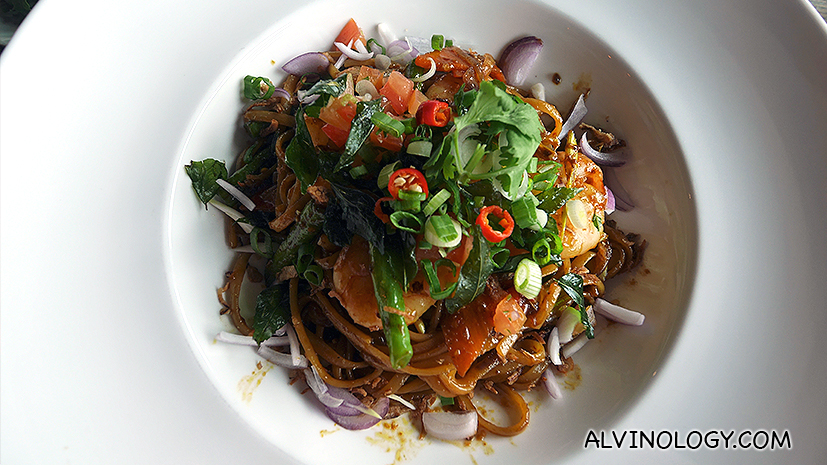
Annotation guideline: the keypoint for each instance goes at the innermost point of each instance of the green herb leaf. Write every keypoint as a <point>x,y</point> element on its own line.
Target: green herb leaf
<point>360,129</point>
<point>507,135</point>
<point>272,311</point>
<point>553,199</point>
<point>203,175</point>
<point>572,284</point>
<point>258,88</point>
<point>473,275</point>
<point>300,154</point>
<point>356,209</point>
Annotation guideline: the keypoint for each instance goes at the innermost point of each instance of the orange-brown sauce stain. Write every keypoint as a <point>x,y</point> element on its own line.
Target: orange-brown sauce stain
<point>399,437</point>
<point>573,378</point>
<point>248,384</point>
<point>583,84</point>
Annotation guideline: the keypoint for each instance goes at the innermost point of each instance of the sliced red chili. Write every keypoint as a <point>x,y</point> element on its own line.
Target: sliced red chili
<point>407,179</point>
<point>434,113</point>
<point>506,222</point>
<point>377,210</point>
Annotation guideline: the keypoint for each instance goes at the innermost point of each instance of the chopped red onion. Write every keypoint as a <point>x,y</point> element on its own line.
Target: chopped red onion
<point>610,201</point>
<point>295,347</point>
<point>618,313</point>
<point>339,401</point>
<point>353,54</point>
<point>401,51</point>
<point>450,426</point>
<point>402,401</point>
<point>538,90</point>
<point>427,75</point>
<point>553,346</point>
<point>237,194</point>
<point>307,63</point>
<point>550,383</point>
<point>281,359</point>
<point>577,114</point>
<point>567,321</point>
<point>363,420</point>
<point>612,159</point>
<point>623,200</point>
<point>575,345</point>
<point>233,214</point>
<point>238,339</point>
<point>518,59</point>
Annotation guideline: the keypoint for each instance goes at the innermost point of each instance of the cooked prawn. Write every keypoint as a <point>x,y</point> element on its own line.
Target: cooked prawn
<point>584,214</point>
<point>353,286</point>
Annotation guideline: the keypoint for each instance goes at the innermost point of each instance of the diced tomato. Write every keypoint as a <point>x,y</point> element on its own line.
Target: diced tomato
<point>417,98</point>
<point>339,112</point>
<point>336,135</point>
<point>376,77</point>
<point>350,32</point>
<point>397,90</point>
<point>385,140</point>
<point>509,315</point>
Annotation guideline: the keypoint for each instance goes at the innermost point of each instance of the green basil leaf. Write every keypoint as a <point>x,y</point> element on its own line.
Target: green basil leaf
<point>473,274</point>
<point>300,154</point>
<point>572,284</point>
<point>360,129</point>
<point>553,199</point>
<point>272,311</point>
<point>203,175</point>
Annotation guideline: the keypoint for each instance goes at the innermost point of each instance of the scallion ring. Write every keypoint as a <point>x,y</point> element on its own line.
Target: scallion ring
<point>437,293</point>
<point>406,221</point>
<point>528,278</point>
<point>436,201</point>
<point>443,231</point>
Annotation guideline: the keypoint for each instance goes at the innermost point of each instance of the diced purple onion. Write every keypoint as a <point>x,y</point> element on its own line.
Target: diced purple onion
<point>362,420</point>
<point>401,51</point>
<point>339,401</point>
<point>238,339</point>
<point>353,54</point>
<point>553,346</point>
<point>307,63</point>
<point>427,75</point>
<point>450,426</point>
<point>572,347</point>
<point>610,201</point>
<point>576,115</point>
<point>618,313</point>
<point>234,214</point>
<point>612,159</point>
<point>281,359</point>
<point>278,91</point>
<point>623,201</point>
<point>550,383</point>
<point>518,59</point>
<point>237,194</point>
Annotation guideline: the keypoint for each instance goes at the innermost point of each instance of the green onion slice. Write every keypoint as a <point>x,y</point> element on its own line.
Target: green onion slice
<point>437,293</point>
<point>305,256</point>
<point>420,148</point>
<point>406,221</point>
<point>387,124</point>
<point>436,201</point>
<point>385,175</point>
<point>258,88</point>
<point>314,274</point>
<point>528,278</point>
<point>541,252</point>
<point>265,250</point>
<point>443,231</point>
<point>437,41</point>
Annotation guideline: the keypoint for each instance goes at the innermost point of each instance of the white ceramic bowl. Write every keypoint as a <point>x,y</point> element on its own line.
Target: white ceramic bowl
<point>109,264</point>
